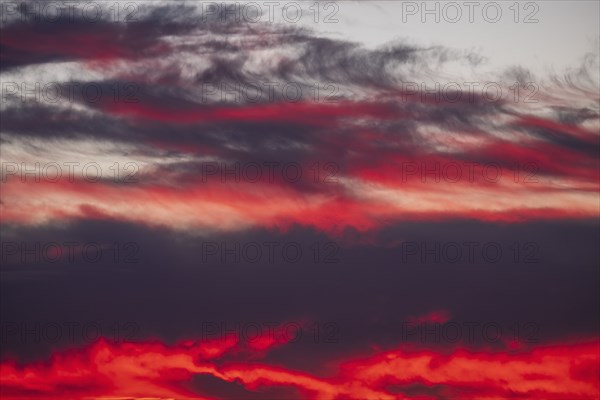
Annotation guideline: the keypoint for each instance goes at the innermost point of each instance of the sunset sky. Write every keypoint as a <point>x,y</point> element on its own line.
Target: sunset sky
<point>300,200</point>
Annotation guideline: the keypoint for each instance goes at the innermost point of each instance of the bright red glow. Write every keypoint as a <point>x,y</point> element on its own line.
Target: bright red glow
<point>155,370</point>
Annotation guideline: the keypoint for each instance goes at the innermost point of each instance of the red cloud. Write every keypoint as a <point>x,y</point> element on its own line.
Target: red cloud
<point>358,200</point>
<point>298,112</point>
<point>155,370</point>
<point>98,42</point>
